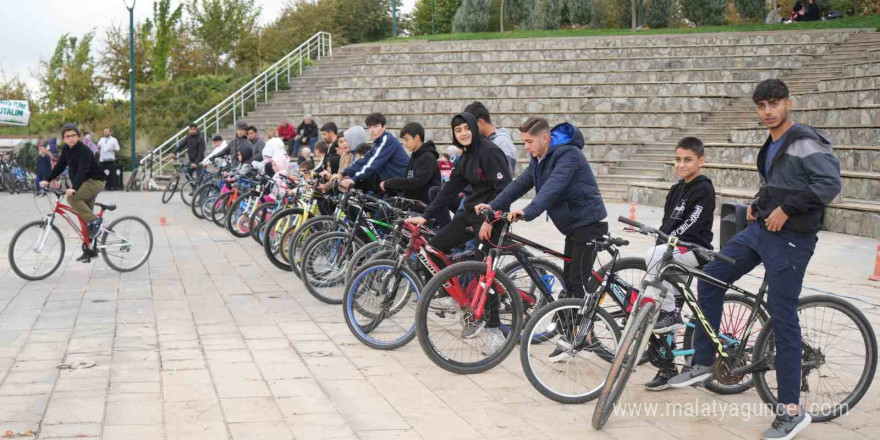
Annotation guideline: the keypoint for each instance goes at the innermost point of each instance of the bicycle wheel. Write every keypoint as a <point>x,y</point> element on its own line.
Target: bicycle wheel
<point>364,254</point>
<point>280,223</point>
<point>623,364</point>
<point>838,362</point>
<point>323,265</point>
<point>259,218</point>
<point>297,242</point>
<point>380,305</point>
<point>204,192</point>
<point>734,318</point>
<point>220,208</point>
<point>35,252</point>
<point>238,218</point>
<point>559,371</point>
<point>126,243</point>
<point>170,189</point>
<point>188,191</point>
<point>440,321</point>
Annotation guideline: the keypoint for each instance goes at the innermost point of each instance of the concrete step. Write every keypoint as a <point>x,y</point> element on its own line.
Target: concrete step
<point>645,168</point>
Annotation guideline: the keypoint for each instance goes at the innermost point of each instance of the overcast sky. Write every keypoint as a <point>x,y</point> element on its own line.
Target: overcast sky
<point>33,26</point>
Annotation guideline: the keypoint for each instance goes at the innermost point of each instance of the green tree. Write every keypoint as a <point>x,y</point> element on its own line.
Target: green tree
<point>363,20</point>
<point>472,16</point>
<point>222,25</point>
<point>114,60</point>
<point>750,9</point>
<point>518,13</point>
<point>13,88</point>
<point>67,78</point>
<point>444,13</point>
<point>704,12</point>
<point>548,14</point>
<point>580,12</point>
<point>657,13</point>
<point>166,34</point>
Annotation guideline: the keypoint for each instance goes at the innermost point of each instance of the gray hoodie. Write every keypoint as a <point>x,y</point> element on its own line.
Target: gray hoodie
<point>355,137</point>
<point>502,139</point>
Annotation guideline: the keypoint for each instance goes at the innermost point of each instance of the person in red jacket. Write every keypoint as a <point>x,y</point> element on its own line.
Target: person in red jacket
<point>286,131</point>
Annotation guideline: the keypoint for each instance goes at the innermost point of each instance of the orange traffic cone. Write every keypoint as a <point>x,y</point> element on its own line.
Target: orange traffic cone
<point>876,276</point>
<point>162,221</point>
<point>632,216</point>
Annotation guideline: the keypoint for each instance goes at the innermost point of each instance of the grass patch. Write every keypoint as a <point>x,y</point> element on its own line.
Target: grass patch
<point>866,21</point>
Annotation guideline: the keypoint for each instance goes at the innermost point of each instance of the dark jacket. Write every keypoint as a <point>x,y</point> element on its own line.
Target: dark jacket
<point>804,177</point>
<point>44,166</point>
<point>813,13</point>
<point>483,166</point>
<point>82,163</point>
<point>307,131</point>
<point>422,174</point>
<point>690,211</point>
<point>195,147</point>
<point>386,159</point>
<point>564,184</point>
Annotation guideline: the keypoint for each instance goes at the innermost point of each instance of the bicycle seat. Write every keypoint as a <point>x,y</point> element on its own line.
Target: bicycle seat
<point>105,207</point>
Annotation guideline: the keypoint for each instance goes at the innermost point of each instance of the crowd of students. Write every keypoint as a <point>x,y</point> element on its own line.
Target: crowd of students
<point>799,177</point>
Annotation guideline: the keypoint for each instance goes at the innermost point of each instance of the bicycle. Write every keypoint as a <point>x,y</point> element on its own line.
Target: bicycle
<point>741,359</point>
<point>42,244</point>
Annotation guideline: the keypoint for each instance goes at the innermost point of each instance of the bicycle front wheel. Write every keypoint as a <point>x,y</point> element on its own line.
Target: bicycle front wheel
<point>170,189</point>
<point>36,252</point>
<point>126,244</point>
<point>446,328</point>
<point>623,364</point>
<point>188,191</point>
<point>323,265</point>
<point>276,229</point>
<point>380,305</point>
<point>838,360</point>
<point>559,369</point>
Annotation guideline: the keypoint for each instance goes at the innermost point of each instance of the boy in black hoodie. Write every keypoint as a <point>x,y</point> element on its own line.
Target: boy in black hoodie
<point>688,214</point>
<point>484,167</point>
<point>422,171</point>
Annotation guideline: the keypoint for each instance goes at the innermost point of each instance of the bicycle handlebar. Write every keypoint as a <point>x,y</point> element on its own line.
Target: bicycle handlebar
<point>647,230</point>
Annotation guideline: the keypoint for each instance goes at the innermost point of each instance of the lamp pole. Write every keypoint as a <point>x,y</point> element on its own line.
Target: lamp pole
<point>131,76</point>
<point>433,29</point>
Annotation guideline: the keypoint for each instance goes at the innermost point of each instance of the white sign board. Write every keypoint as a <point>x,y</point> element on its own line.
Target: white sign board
<point>14,112</point>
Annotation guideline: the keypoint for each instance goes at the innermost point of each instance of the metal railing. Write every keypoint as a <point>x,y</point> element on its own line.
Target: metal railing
<point>233,107</point>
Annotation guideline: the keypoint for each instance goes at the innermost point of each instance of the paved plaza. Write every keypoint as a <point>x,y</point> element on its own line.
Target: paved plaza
<point>210,341</point>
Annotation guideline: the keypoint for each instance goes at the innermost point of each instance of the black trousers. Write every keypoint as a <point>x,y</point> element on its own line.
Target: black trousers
<point>455,234</point>
<point>578,246</point>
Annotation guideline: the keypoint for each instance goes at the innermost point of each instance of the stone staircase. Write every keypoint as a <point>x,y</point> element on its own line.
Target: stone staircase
<point>633,97</point>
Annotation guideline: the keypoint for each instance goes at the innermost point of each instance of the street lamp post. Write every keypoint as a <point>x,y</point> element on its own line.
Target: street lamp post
<point>131,76</point>
<point>394,18</point>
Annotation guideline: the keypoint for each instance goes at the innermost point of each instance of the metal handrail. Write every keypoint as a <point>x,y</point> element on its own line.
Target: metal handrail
<point>320,44</point>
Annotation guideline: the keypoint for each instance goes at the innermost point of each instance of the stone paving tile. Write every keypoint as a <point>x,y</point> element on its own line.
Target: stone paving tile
<point>186,348</point>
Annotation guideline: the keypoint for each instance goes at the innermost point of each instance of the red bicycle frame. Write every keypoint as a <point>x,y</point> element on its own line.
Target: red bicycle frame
<point>63,210</point>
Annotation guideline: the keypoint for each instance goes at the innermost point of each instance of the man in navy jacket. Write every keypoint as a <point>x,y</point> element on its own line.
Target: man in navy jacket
<point>386,160</point>
<point>565,188</point>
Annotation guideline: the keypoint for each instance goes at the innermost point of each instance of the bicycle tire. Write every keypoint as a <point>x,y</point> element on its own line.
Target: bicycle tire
<point>314,280</point>
<point>170,189</point>
<point>527,347</point>
<point>11,253</point>
<point>297,243</point>
<point>202,192</point>
<point>231,221</point>
<point>188,191</point>
<point>688,343</point>
<point>764,344</point>
<point>365,254</point>
<point>142,260</point>
<point>220,208</point>
<point>269,241</point>
<point>622,366</point>
<point>544,267</point>
<point>627,263</point>
<point>434,287</point>
<point>258,219</point>
<point>352,305</point>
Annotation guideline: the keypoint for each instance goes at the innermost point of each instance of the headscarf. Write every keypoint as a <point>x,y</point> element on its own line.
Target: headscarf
<point>87,141</point>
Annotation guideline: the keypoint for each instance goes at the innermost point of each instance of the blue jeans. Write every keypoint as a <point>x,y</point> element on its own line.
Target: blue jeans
<point>297,144</point>
<point>785,257</point>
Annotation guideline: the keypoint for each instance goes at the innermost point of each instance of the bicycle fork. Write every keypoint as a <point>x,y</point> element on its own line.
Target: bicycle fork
<point>41,241</point>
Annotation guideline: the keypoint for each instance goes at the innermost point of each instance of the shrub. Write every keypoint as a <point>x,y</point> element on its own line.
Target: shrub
<point>704,12</point>
<point>657,13</point>
<point>472,16</point>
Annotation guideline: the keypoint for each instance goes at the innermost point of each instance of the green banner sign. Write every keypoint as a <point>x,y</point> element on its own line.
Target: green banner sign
<point>14,112</point>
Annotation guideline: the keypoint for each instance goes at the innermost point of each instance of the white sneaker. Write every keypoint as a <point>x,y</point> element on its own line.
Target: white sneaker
<point>446,303</point>
<point>495,340</point>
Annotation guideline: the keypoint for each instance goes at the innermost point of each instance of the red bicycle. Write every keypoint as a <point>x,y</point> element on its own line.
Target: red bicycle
<point>37,249</point>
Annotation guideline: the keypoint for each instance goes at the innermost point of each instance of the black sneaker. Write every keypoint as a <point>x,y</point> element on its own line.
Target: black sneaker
<point>661,380</point>
<point>87,256</point>
<point>696,374</point>
<point>94,226</point>
<point>667,322</point>
<point>786,426</point>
